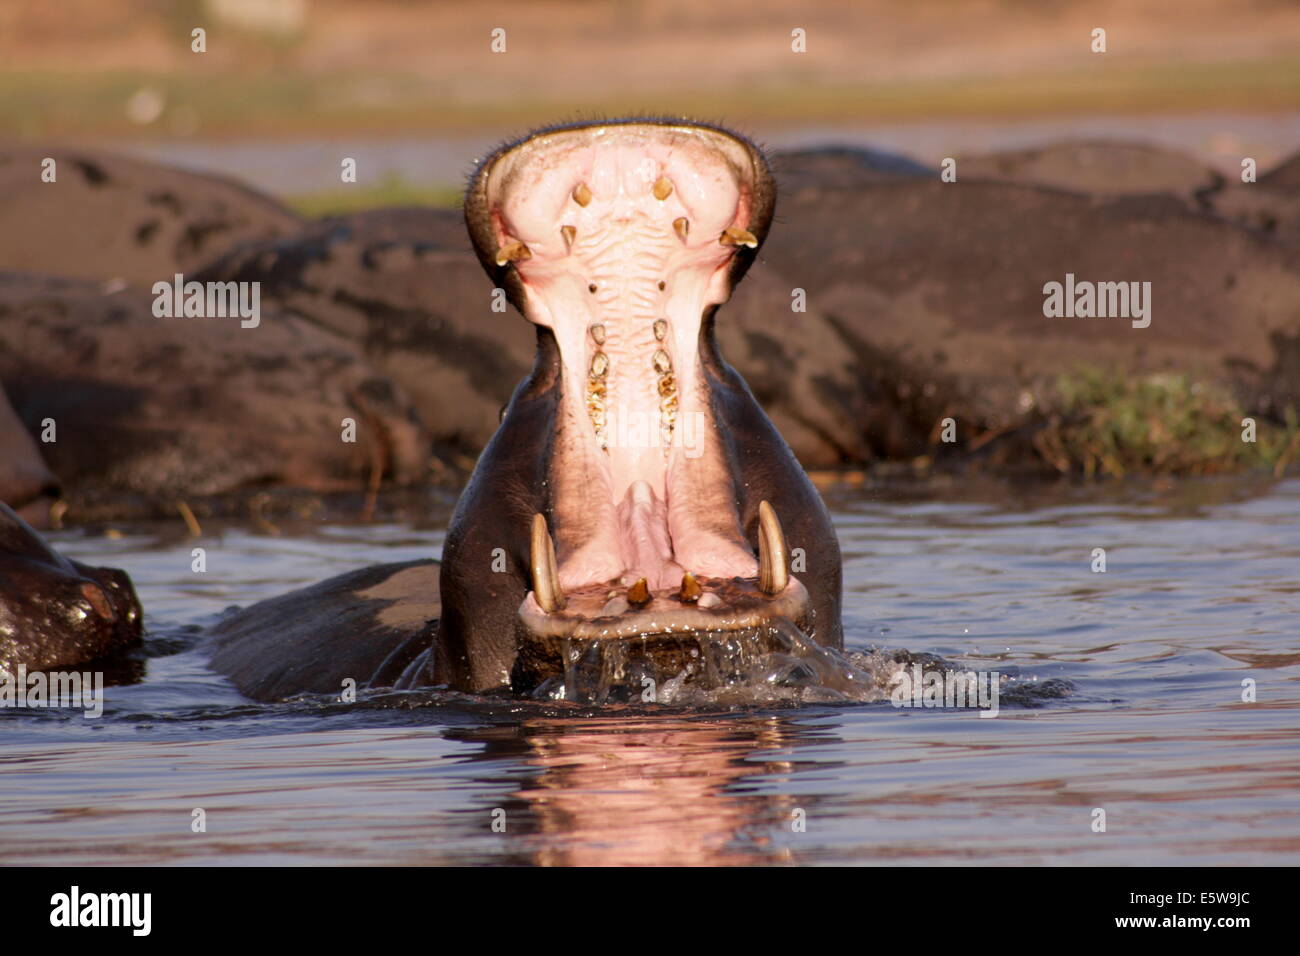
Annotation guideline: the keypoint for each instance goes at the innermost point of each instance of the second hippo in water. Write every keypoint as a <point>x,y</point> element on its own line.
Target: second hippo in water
<point>56,613</point>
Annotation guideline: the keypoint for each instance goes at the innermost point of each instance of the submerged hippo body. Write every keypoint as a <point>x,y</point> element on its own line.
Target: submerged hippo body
<point>635,488</point>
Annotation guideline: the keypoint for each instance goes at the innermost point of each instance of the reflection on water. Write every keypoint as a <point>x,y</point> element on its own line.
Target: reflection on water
<point>1201,593</point>
<point>668,791</point>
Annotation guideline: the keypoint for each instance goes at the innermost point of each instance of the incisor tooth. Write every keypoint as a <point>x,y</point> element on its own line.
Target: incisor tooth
<point>691,590</point>
<point>582,194</point>
<point>545,572</point>
<point>569,233</point>
<point>735,236</point>
<point>614,606</point>
<point>513,252</point>
<point>681,227</point>
<point>663,188</point>
<point>639,593</point>
<point>773,571</point>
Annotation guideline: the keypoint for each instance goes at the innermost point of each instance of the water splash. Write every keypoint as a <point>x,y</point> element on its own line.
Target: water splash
<point>773,664</point>
<point>776,663</point>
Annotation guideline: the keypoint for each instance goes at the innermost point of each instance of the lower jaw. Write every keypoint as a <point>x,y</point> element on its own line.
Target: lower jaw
<point>641,648</point>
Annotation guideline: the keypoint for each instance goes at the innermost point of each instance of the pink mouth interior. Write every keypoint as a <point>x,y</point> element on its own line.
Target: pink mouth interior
<point>643,491</point>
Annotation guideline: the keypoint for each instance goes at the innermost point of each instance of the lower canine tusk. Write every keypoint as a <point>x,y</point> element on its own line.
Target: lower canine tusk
<point>545,572</point>
<point>773,571</point>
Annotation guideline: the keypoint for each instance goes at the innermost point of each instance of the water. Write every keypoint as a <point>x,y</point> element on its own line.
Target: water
<point>1201,590</point>
<point>287,168</point>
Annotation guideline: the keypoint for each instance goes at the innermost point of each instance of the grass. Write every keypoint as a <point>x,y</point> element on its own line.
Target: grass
<point>271,104</point>
<point>1109,424</point>
<point>392,191</point>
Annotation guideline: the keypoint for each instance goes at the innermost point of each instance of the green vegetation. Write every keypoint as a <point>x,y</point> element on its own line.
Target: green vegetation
<point>1113,425</point>
<point>276,103</point>
<point>392,191</point>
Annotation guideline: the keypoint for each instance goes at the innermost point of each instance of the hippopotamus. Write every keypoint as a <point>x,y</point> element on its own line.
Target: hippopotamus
<point>57,613</point>
<point>635,488</point>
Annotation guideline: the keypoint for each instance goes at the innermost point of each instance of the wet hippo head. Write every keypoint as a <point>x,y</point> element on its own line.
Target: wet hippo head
<point>54,612</point>
<point>635,496</point>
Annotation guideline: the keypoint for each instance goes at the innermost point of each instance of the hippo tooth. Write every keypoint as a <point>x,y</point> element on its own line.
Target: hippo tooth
<point>661,329</point>
<point>663,364</point>
<point>513,252</point>
<point>569,233</point>
<point>773,573</point>
<point>545,573</point>
<point>582,194</point>
<point>735,236</point>
<point>615,606</point>
<point>681,227</point>
<point>709,599</point>
<point>597,333</point>
<point>663,188</point>
<point>639,593</point>
<point>599,365</point>
<point>691,590</point>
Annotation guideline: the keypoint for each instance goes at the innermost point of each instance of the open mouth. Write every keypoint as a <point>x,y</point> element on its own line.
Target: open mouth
<point>621,240</point>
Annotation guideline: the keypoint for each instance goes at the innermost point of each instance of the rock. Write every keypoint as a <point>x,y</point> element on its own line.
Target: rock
<point>113,218</point>
<point>403,287</point>
<point>799,367</point>
<point>1099,167</point>
<point>367,625</point>
<point>1271,205</point>
<point>940,289</point>
<point>26,483</point>
<point>839,167</point>
<point>1285,176</point>
<point>195,406</point>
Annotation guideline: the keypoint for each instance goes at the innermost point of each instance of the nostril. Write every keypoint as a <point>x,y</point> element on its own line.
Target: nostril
<point>99,601</point>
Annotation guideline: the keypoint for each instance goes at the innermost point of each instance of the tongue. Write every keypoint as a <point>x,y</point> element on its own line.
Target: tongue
<point>646,542</point>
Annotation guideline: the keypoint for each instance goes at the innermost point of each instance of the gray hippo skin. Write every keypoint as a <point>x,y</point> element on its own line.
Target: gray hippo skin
<point>619,241</point>
<point>635,494</point>
<point>56,613</point>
